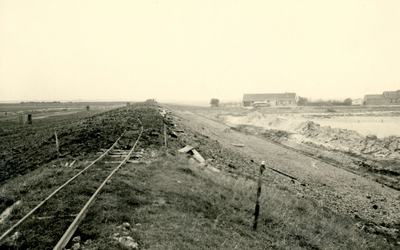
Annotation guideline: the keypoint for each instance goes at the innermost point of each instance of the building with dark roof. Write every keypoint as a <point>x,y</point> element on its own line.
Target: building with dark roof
<point>387,98</point>
<point>280,99</point>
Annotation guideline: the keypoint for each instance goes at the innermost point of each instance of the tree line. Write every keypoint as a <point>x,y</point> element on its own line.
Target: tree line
<point>303,101</point>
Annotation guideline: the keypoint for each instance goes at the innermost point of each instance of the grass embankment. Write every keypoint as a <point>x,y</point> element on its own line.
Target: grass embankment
<point>173,203</point>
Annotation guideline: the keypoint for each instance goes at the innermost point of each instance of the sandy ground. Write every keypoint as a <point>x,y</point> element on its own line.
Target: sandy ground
<point>381,126</point>
<point>332,187</point>
<point>330,132</point>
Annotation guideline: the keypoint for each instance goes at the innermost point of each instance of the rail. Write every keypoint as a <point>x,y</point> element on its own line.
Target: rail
<point>4,235</point>
<point>75,224</point>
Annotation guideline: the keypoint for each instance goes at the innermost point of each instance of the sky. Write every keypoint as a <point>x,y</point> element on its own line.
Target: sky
<point>192,51</point>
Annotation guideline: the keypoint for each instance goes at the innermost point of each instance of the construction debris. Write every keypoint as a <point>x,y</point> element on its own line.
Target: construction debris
<point>72,163</point>
<point>8,211</point>
<point>197,156</point>
<point>173,134</point>
<point>185,149</point>
<point>213,169</point>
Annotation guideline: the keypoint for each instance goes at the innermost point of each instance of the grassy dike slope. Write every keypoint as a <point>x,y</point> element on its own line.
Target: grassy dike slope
<point>173,203</point>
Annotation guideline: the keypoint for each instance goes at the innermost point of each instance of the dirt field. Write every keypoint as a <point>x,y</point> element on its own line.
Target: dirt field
<point>11,111</point>
<point>26,147</point>
<point>323,175</point>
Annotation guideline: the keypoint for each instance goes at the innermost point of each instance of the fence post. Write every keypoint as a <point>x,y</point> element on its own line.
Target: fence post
<point>257,210</point>
<point>58,152</point>
<point>165,135</point>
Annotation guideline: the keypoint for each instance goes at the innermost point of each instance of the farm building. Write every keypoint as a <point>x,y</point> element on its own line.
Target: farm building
<point>387,98</point>
<point>280,99</point>
<point>357,102</point>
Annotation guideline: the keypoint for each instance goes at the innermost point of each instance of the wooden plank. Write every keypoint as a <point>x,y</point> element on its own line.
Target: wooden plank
<point>130,161</point>
<point>213,169</point>
<point>120,153</point>
<point>238,145</point>
<point>136,156</point>
<point>52,217</point>
<point>186,149</point>
<point>197,156</point>
<point>122,156</point>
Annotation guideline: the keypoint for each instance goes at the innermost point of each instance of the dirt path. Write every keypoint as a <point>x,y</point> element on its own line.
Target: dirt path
<point>329,186</point>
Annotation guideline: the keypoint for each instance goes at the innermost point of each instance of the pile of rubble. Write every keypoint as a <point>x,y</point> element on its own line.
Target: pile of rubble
<point>349,141</point>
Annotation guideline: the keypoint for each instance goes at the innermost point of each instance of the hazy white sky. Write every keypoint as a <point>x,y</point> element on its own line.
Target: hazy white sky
<point>197,50</point>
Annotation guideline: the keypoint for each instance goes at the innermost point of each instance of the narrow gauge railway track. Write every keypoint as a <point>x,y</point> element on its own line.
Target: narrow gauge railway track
<point>101,169</point>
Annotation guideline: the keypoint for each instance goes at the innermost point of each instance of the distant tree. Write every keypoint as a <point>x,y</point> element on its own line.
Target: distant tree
<point>347,102</point>
<point>214,102</point>
<point>302,101</point>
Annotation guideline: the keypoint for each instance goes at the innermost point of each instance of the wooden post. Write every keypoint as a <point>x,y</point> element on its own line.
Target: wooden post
<point>257,210</point>
<point>22,119</point>
<point>55,134</point>
<point>165,135</point>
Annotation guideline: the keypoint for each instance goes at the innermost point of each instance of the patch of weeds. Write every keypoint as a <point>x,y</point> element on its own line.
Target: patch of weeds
<point>195,204</point>
<point>304,242</point>
<point>6,202</point>
<point>187,171</point>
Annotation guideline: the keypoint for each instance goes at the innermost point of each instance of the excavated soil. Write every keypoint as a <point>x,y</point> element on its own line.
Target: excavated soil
<point>379,158</point>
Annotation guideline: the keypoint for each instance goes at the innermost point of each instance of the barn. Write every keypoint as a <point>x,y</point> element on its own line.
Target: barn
<point>279,99</point>
<point>387,98</point>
